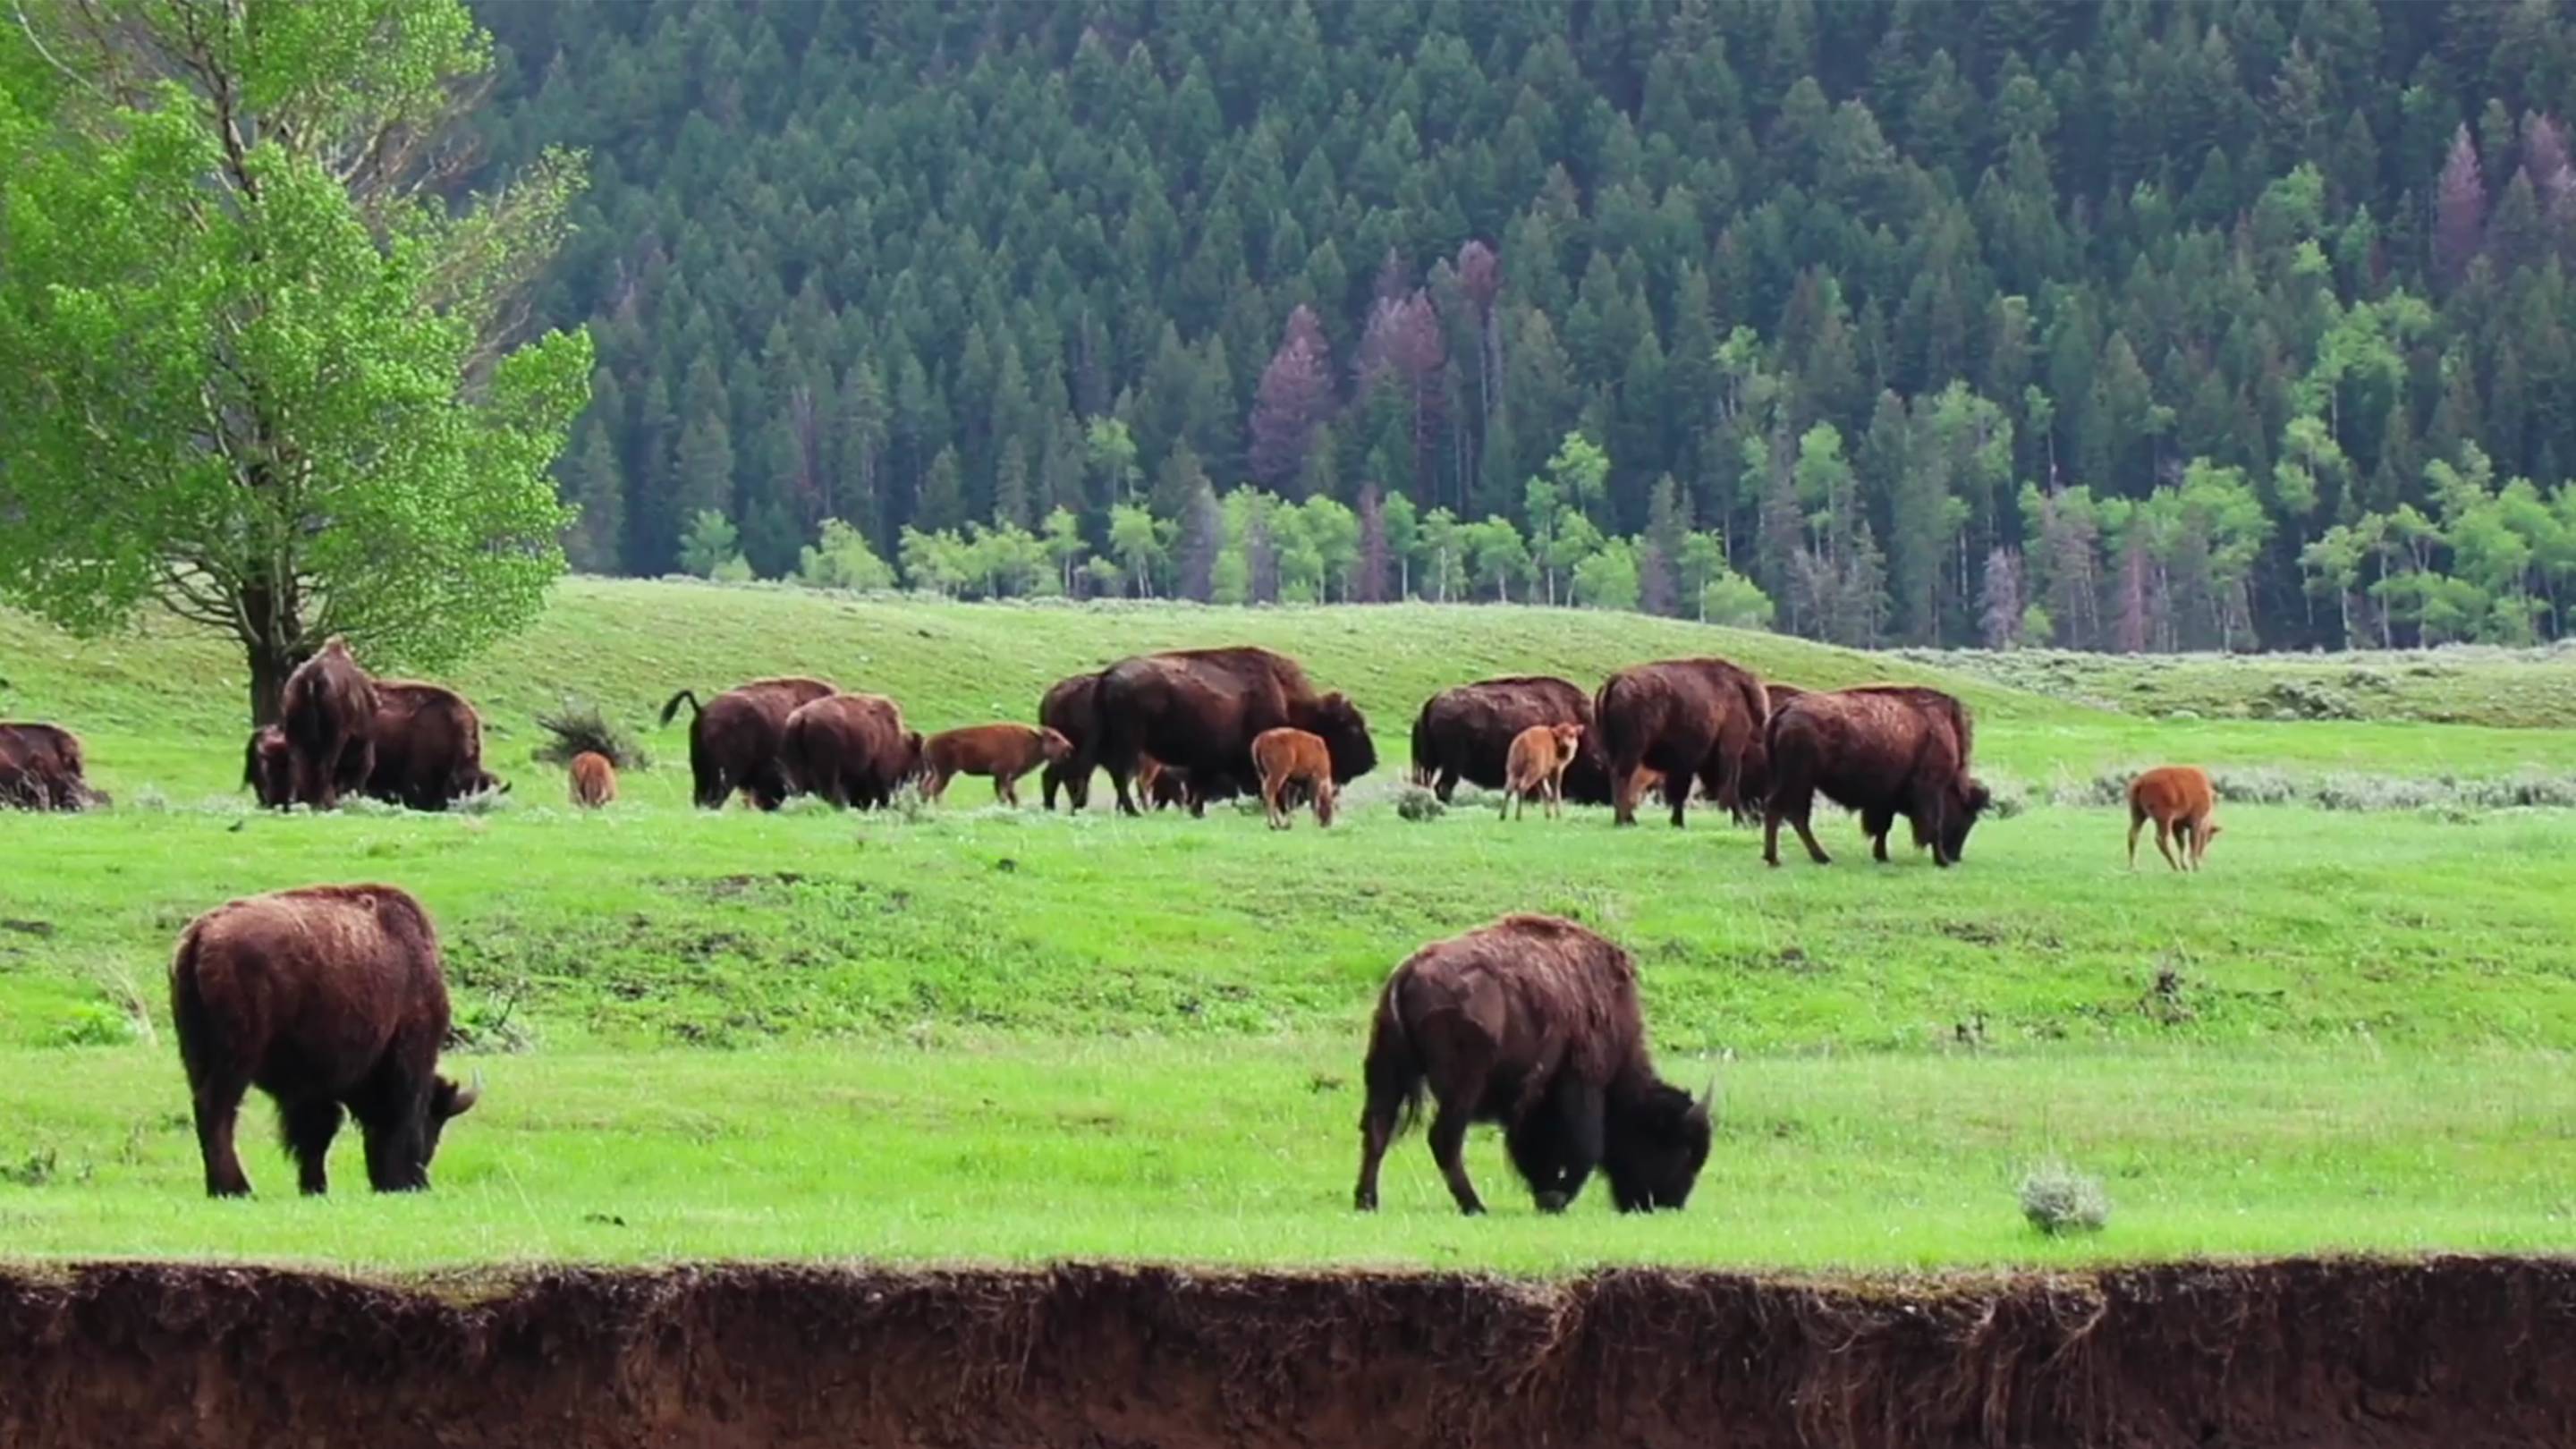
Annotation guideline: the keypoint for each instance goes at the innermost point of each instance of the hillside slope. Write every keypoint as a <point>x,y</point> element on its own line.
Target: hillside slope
<point>165,706</point>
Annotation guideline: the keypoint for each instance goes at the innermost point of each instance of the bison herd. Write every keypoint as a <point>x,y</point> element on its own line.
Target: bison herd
<point>332,1000</point>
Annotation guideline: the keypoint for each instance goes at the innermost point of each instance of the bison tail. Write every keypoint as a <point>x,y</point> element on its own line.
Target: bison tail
<point>672,706</point>
<point>188,1018</point>
<point>1392,1072</point>
<point>1424,766</point>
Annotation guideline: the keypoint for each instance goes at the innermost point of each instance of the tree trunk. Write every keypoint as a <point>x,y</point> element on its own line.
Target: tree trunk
<point>273,643</point>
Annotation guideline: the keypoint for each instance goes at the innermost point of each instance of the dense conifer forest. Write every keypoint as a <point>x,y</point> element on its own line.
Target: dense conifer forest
<point>2127,326</point>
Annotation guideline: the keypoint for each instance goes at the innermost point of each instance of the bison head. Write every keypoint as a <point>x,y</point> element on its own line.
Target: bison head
<point>1345,734</point>
<point>1967,801</point>
<point>446,1100</point>
<point>1654,1147</point>
<point>1053,744</point>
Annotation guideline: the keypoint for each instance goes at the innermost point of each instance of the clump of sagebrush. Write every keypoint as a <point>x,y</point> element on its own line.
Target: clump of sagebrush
<point>580,729</point>
<point>1417,804</point>
<point>2059,1200</point>
<point>2346,790</point>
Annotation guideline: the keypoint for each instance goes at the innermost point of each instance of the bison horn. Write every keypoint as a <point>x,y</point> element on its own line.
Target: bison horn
<point>1700,1105</point>
<point>467,1096</point>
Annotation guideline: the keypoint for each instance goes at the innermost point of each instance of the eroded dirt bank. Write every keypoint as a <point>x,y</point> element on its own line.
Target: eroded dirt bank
<point>2453,1352</point>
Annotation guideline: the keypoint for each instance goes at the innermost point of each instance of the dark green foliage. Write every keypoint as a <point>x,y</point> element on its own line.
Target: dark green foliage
<point>579,728</point>
<point>889,265</point>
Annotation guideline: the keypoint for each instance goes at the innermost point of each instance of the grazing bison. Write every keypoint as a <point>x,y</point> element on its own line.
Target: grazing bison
<point>41,768</point>
<point>1199,709</point>
<point>1066,709</point>
<point>734,740</point>
<point>428,747</point>
<point>1690,719</point>
<point>328,714</point>
<point>1466,733</point>
<point>1292,759</point>
<point>268,768</point>
<point>851,749</point>
<point>2179,799</point>
<point>1531,1022</point>
<point>1884,750</point>
<point>324,998</point>
<point>594,780</point>
<point>1538,764</point>
<point>1003,751</point>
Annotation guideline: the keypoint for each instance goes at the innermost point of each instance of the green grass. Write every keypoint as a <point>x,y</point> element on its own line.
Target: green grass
<point>1245,1154</point>
<point>980,1034</point>
<point>2462,684</point>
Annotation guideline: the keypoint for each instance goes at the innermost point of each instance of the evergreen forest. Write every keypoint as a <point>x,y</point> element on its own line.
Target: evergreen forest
<point>2132,326</point>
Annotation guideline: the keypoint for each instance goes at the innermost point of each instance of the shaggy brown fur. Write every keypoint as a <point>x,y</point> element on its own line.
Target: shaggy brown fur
<point>1884,750</point>
<point>328,713</point>
<point>428,746</point>
<point>1066,709</point>
<point>268,768</point>
<point>851,749</point>
<point>324,998</point>
<point>1003,751</point>
<point>594,780</point>
<point>1199,710</point>
<point>2179,799</point>
<point>1538,763</point>
<point>1288,760</point>
<point>1466,733</point>
<point>1691,719</point>
<point>1531,1022</point>
<point>734,740</point>
<point>42,768</point>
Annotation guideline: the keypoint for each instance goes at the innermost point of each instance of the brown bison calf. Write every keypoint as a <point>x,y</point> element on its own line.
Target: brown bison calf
<point>324,998</point>
<point>1288,759</point>
<point>1540,755</point>
<point>268,768</point>
<point>594,780</point>
<point>1003,751</point>
<point>2179,799</point>
<point>1531,1022</point>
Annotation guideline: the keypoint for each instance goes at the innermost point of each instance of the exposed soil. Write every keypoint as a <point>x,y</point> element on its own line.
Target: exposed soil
<point>2453,1352</point>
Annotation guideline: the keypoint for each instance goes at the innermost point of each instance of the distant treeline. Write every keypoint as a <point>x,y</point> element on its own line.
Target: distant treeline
<point>2125,326</point>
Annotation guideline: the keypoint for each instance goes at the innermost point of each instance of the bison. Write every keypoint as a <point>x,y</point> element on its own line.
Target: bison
<point>1884,750</point>
<point>1003,751</point>
<point>1292,759</point>
<point>594,780</point>
<point>268,768</point>
<point>851,749</point>
<point>1538,764</point>
<point>734,740</point>
<point>428,746</point>
<point>1066,709</point>
<point>325,998</point>
<point>41,768</point>
<point>1532,1022</point>
<point>1200,709</point>
<point>1689,719</point>
<point>1466,733</point>
<point>2179,799</point>
<point>328,713</point>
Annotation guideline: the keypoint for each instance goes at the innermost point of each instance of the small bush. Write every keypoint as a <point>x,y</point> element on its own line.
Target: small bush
<point>2059,1200</point>
<point>1417,804</point>
<point>486,802</point>
<point>579,729</point>
<point>34,1170</point>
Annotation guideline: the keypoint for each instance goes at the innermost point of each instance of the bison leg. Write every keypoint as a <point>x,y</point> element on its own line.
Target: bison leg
<point>1875,824</point>
<point>1448,1148</point>
<point>1795,808</point>
<point>1557,1146</point>
<point>218,1106</point>
<point>1447,785</point>
<point>1623,793</point>
<point>2164,838</point>
<point>308,1127</point>
<point>1377,1129</point>
<point>2137,822</point>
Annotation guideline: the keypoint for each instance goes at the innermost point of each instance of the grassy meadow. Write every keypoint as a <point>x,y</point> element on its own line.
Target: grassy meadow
<point>974,1033</point>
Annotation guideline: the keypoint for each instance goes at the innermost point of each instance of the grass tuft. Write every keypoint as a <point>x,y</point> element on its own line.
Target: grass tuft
<point>2058,1200</point>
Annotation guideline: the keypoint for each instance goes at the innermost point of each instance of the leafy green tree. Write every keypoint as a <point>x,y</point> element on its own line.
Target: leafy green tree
<point>709,544</point>
<point>1062,540</point>
<point>840,558</point>
<point>250,378</point>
